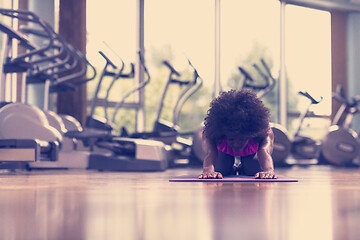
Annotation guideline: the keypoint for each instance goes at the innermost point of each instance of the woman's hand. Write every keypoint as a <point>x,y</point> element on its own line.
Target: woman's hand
<point>208,164</point>
<point>209,174</point>
<point>265,159</point>
<point>268,174</point>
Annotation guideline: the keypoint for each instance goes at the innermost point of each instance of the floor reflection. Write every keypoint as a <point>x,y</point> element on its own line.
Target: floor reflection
<point>148,211</point>
<point>51,205</point>
<point>240,210</point>
<point>41,214</point>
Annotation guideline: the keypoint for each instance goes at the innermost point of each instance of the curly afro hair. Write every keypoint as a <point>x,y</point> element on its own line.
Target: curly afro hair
<point>237,114</point>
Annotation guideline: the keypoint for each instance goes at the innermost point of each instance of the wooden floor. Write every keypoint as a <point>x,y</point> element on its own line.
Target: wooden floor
<point>49,205</point>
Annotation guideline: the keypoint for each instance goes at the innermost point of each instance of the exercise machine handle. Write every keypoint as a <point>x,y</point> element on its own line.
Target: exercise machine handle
<point>266,68</point>
<point>85,64</point>
<point>23,40</point>
<point>137,88</point>
<point>308,96</point>
<point>246,74</point>
<point>30,17</point>
<point>61,59</point>
<point>131,74</point>
<point>304,114</point>
<point>108,61</point>
<point>249,78</point>
<point>339,96</point>
<point>173,71</point>
<point>89,78</point>
<point>194,86</point>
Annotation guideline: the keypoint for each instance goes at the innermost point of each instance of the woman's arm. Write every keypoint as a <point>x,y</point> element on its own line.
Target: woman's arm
<point>210,156</point>
<point>264,157</point>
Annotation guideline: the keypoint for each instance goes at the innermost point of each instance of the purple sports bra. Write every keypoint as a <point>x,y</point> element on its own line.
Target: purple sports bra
<point>249,149</point>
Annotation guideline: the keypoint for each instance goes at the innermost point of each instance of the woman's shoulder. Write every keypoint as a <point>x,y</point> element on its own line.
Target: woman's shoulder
<point>266,135</point>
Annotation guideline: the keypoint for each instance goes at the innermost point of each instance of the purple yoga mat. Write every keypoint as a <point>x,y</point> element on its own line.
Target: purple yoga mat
<point>194,178</point>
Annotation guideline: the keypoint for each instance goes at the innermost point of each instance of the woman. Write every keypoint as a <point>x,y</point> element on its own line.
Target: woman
<point>237,137</point>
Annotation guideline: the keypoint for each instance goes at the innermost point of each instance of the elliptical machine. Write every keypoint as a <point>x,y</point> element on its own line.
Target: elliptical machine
<point>341,146</point>
<point>169,132</point>
<point>125,154</point>
<point>110,69</point>
<point>54,65</point>
<point>303,147</point>
<point>26,135</point>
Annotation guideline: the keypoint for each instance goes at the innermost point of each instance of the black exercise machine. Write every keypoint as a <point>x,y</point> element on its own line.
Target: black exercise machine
<point>341,146</point>
<point>169,132</point>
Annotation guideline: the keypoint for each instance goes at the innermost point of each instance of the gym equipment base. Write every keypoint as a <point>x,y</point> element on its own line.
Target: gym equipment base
<point>144,155</point>
<point>19,150</point>
<point>66,160</point>
<point>239,178</point>
<point>121,163</point>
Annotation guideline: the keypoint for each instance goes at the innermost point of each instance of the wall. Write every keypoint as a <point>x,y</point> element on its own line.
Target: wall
<point>353,58</point>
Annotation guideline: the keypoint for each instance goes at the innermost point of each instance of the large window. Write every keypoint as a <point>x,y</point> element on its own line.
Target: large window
<point>179,30</point>
<point>111,24</point>
<point>8,87</point>
<point>176,31</point>
<point>308,63</point>
<point>250,32</point>
<point>111,28</point>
